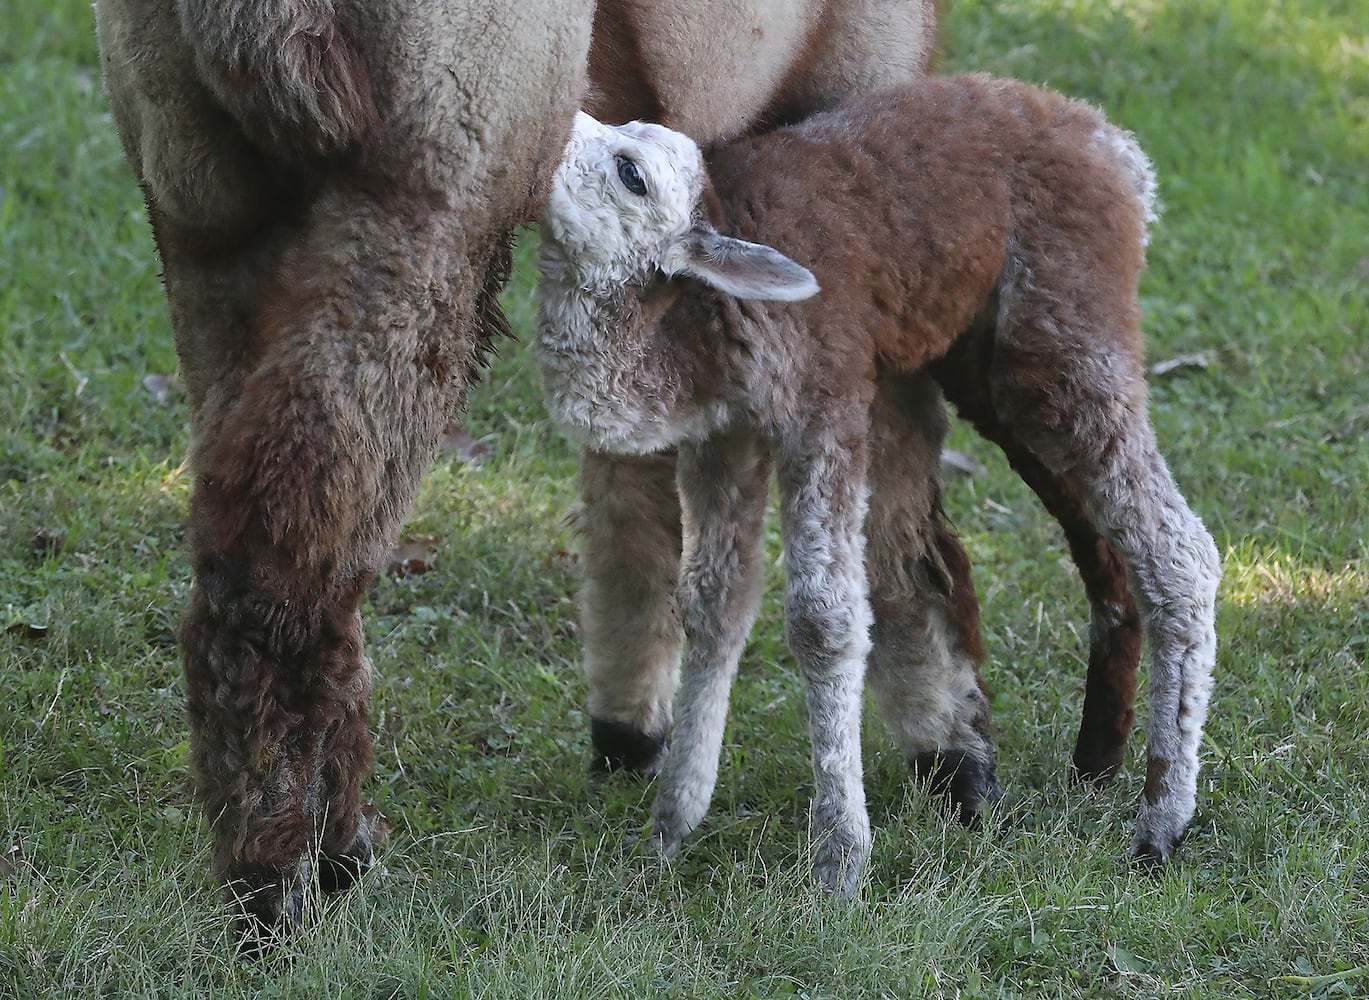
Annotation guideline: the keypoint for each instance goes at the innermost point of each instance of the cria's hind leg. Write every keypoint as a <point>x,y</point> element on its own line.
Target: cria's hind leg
<point>1090,428</point>
<point>926,651</point>
<point>1174,569</point>
<point>1114,623</point>
<point>723,487</point>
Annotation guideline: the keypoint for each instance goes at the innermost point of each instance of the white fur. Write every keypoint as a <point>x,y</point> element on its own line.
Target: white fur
<point>600,239</point>
<point>1120,147</point>
<point>608,234</point>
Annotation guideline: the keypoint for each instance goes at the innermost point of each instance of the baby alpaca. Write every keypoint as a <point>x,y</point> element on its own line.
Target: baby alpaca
<point>986,222</point>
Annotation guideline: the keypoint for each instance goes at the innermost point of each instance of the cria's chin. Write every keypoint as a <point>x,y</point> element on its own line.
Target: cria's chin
<point>611,440</point>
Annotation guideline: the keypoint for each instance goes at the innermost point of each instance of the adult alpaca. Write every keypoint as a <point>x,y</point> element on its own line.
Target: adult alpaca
<point>332,186</point>
<point>332,189</point>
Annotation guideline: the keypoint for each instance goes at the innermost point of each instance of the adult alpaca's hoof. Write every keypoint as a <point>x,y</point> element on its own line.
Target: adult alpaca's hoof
<point>271,907</point>
<point>619,746</point>
<point>967,783</point>
<point>338,872</point>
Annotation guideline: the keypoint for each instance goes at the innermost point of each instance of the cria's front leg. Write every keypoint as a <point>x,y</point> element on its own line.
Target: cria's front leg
<point>822,485</point>
<point>723,498</point>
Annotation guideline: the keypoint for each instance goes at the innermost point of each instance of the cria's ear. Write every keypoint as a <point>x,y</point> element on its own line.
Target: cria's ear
<point>746,270</point>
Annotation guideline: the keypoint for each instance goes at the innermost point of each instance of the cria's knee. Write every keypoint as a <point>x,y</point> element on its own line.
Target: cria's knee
<point>825,633</point>
<point>1208,557</point>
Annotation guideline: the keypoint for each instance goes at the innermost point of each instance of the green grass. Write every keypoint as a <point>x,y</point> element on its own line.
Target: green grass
<point>504,876</point>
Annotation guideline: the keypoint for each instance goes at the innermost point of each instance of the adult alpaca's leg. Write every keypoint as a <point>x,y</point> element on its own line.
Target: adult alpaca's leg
<point>926,654</point>
<point>629,522</point>
<point>326,299</point>
<point>305,463</point>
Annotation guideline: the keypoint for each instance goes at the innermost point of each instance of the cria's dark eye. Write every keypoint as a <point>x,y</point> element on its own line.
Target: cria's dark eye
<point>631,176</point>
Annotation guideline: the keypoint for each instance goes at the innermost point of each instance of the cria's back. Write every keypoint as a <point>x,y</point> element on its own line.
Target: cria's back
<point>907,204</point>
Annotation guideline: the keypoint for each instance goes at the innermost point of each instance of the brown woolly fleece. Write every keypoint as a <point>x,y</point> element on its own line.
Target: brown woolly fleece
<point>333,187</point>
<point>1005,260</point>
<point>983,229</point>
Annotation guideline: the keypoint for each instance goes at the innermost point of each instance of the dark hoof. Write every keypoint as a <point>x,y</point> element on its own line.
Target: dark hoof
<point>968,784</point>
<point>1152,857</point>
<point>618,746</point>
<point>338,873</point>
<point>270,911</point>
<point>1095,769</point>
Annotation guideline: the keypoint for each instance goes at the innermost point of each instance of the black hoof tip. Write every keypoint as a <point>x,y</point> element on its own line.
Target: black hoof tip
<point>1149,856</point>
<point>1096,772</point>
<point>339,873</point>
<point>618,746</point>
<point>968,783</point>
<point>258,939</point>
<point>268,916</point>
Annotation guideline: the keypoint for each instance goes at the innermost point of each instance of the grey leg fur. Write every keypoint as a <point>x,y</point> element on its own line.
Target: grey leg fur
<point>1174,568</point>
<point>827,612</point>
<point>1092,430</point>
<point>723,485</point>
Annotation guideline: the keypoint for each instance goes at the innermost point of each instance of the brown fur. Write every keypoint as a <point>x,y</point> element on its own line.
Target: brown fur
<point>1157,769</point>
<point>964,372</point>
<point>629,617</point>
<point>623,86</point>
<point>332,193</point>
<point>332,187</point>
<point>1115,625</point>
<point>959,209</point>
<point>286,71</point>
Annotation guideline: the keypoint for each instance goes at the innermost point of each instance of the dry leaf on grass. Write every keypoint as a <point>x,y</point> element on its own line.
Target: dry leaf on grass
<point>47,542</point>
<point>462,446</point>
<point>560,558</point>
<point>411,558</point>
<point>1199,361</point>
<point>12,860</point>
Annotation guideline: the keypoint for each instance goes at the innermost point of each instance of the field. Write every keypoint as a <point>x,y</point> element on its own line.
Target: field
<point>504,875</point>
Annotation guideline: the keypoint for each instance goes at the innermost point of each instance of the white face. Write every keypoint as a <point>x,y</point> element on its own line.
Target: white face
<point>623,195</point>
